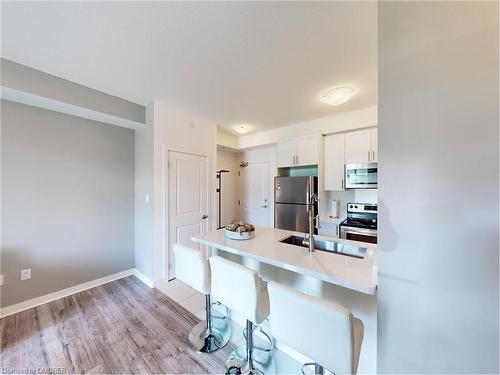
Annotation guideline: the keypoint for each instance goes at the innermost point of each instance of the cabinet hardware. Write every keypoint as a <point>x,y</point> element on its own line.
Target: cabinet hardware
<point>368,155</point>
<point>373,155</point>
<point>264,206</point>
<point>204,217</point>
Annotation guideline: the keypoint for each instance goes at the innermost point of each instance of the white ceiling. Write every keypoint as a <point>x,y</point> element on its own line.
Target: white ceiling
<point>259,63</point>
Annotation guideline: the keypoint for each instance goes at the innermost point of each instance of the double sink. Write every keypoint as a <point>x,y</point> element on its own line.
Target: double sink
<point>329,246</point>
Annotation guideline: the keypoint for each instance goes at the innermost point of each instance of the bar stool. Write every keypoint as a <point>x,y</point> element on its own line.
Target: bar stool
<point>319,329</point>
<point>192,268</point>
<point>243,291</point>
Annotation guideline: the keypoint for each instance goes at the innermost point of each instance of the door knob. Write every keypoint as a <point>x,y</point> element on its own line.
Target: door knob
<point>204,217</point>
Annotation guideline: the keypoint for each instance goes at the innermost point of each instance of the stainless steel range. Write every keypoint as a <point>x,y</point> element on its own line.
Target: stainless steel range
<point>361,223</point>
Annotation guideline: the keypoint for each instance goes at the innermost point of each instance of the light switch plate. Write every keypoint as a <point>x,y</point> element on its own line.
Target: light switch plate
<point>26,274</point>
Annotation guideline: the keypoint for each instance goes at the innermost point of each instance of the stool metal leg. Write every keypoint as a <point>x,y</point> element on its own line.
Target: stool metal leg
<point>207,337</point>
<point>318,369</point>
<point>251,362</point>
<point>250,368</point>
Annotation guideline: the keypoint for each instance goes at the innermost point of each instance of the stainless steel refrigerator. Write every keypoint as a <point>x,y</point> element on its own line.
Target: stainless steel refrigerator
<point>291,195</point>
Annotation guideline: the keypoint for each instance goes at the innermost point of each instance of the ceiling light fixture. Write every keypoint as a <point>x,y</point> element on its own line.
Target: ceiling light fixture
<point>338,95</point>
<point>241,129</point>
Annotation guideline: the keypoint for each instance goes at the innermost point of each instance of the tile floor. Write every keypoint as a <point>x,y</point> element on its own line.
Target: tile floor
<point>185,296</point>
<point>194,302</point>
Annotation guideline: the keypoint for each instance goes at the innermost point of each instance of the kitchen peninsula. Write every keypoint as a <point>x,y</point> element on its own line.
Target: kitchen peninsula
<point>336,268</point>
<point>343,279</point>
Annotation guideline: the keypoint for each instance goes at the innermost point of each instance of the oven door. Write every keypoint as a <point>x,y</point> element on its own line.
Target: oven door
<point>358,234</point>
<point>361,176</point>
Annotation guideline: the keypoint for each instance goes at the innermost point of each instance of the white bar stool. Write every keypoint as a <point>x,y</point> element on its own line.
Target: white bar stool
<point>192,268</point>
<point>243,291</point>
<point>319,329</point>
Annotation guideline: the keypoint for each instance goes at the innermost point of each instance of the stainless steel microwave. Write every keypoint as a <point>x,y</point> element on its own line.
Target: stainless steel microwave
<point>361,176</point>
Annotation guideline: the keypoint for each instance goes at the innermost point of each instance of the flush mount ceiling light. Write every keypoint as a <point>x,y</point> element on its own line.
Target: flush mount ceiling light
<point>338,95</point>
<point>241,129</point>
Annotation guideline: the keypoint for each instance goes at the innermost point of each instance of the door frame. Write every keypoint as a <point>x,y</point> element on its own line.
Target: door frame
<point>165,206</point>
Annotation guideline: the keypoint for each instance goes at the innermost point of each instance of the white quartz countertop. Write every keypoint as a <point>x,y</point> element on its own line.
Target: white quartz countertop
<point>349,272</point>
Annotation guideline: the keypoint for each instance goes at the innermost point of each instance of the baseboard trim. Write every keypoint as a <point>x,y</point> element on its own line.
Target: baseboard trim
<point>146,280</point>
<point>25,305</point>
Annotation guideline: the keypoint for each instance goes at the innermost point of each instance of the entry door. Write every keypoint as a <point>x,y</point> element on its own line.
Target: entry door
<point>255,198</point>
<point>188,201</point>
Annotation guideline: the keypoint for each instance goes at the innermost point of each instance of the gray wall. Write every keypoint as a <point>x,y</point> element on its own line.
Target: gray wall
<point>144,184</point>
<point>438,187</point>
<point>67,200</point>
<point>26,79</point>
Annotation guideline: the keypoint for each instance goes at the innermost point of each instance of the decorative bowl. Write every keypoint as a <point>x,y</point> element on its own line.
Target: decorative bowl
<point>239,235</point>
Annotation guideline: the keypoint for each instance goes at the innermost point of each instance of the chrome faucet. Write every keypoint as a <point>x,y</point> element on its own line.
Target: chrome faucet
<point>309,241</point>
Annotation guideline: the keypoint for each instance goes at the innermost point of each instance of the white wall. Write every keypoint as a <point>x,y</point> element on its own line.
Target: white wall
<point>361,118</point>
<point>226,139</point>
<point>67,200</point>
<point>229,160</point>
<point>144,188</point>
<point>179,131</point>
<point>438,187</point>
<point>30,86</point>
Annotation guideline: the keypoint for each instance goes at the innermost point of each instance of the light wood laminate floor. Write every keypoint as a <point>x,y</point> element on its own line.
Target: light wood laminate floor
<point>119,327</point>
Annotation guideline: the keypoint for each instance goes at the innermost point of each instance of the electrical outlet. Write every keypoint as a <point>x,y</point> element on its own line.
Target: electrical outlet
<point>1,280</point>
<point>26,274</point>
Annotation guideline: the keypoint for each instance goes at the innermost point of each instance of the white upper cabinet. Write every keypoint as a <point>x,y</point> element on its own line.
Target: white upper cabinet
<point>287,152</point>
<point>374,144</point>
<point>307,150</point>
<point>358,146</point>
<point>299,151</point>
<point>334,148</point>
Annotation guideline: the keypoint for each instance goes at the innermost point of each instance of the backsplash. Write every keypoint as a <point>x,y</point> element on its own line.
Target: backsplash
<point>365,196</point>
<point>344,197</point>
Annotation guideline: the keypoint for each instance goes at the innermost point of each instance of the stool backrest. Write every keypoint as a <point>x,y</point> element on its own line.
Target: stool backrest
<point>317,328</point>
<point>238,288</point>
<point>192,268</point>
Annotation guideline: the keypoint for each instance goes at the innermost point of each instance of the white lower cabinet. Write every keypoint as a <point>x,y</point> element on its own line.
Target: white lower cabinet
<point>329,229</point>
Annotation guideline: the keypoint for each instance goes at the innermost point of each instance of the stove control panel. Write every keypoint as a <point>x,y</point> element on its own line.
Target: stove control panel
<point>362,207</point>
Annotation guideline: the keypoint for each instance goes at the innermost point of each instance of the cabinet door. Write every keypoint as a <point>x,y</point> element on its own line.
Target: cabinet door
<point>375,144</point>
<point>333,163</point>
<point>328,229</point>
<point>287,151</point>
<point>358,146</point>
<point>307,150</point>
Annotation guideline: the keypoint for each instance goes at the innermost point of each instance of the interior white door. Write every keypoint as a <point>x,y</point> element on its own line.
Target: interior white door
<point>188,201</point>
<point>255,202</point>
